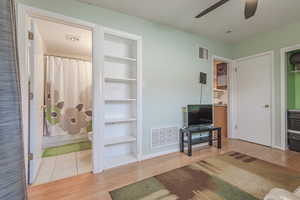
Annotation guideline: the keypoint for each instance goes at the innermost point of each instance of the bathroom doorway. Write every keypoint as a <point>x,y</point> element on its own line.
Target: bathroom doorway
<point>61,101</point>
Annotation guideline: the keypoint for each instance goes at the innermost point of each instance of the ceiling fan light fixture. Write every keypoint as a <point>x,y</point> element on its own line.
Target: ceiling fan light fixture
<point>73,38</point>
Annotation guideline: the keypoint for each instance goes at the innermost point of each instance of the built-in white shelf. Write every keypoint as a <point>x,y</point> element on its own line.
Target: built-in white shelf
<point>117,121</point>
<point>119,100</point>
<point>119,140</point>
<point>113,57</point>
<point>120,160</point>
<point>113,79</point>
<point>122,98</point>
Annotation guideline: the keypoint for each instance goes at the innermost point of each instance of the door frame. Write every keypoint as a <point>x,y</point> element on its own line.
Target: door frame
<point>32,106</point>
<point>283,92</point>
<point>272,103</point>
<point>24,14</point>
<point>230,77</point>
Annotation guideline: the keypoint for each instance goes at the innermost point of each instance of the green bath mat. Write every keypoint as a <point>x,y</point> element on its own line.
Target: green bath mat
<point>67,148</point>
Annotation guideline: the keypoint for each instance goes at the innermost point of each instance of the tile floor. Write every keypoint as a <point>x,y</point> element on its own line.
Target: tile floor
<point>63,166</point>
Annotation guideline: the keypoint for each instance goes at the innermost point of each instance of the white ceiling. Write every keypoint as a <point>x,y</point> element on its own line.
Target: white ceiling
<point>271,14</point>
<point>54,37</point>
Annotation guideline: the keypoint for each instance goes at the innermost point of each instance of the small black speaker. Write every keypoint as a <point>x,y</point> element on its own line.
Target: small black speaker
<point>203,78</point>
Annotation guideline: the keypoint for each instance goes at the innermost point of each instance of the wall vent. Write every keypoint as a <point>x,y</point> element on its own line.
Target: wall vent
<point>203,53</point>
<point>165,136</point>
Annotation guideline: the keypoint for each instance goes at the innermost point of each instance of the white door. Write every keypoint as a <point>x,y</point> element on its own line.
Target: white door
<point>36,59</point>
<point>254,99</point>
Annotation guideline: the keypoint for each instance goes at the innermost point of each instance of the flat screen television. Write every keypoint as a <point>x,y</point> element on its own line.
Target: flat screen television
<point>199,115</point>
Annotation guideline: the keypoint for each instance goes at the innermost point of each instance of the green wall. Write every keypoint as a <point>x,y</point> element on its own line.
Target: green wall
<point>170,64</point>
<point>285,36</point>
<point>290,84</point>
<point>293,82</point>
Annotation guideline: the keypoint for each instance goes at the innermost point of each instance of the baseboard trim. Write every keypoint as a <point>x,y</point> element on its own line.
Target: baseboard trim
<point>279,147</point>
<point>162,153</point>
<point>157,154</point>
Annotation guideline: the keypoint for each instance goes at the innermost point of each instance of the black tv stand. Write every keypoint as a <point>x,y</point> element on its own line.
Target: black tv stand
<point>189,131</point>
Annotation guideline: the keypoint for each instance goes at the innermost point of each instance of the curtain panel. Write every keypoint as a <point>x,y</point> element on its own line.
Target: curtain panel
<point>12,166</point>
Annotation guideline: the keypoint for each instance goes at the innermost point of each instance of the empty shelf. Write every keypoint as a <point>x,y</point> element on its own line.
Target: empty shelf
<point>116,121</point>
<point>119,100</point>
<point>120,58</point>
<point>122,80</point>
<point>295,71</point>
<point>119,140</point>
<point>293,131</point>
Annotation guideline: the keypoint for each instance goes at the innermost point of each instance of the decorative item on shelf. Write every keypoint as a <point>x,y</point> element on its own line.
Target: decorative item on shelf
<point>218,93</point>
<point>221,76</point>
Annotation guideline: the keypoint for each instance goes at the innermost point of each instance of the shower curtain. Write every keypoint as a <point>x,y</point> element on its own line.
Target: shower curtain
<point>68,96</point>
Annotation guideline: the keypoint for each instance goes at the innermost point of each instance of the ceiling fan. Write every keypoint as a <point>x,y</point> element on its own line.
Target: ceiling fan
<point>250,8</point>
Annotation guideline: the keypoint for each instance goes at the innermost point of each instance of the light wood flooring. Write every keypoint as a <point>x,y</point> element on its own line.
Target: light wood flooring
<point>96,187</point>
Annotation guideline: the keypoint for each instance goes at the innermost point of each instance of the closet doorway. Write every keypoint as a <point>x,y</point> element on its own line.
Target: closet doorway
<point>60,119</point>
<point>221,94</point>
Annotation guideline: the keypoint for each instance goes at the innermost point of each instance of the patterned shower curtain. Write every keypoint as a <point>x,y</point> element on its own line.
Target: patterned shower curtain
<point>68,96</point>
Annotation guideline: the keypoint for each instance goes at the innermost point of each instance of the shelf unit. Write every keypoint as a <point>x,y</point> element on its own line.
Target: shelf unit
<point>122,98</point>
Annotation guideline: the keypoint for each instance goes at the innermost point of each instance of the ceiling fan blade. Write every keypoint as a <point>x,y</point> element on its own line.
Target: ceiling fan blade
<point>250,8</point>
<point>211,8</point>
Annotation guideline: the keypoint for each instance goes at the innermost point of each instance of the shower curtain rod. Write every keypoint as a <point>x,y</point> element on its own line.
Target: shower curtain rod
<point>68,57</point>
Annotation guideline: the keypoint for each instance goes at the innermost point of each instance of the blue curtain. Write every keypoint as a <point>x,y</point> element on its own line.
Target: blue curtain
<point>12,166</point>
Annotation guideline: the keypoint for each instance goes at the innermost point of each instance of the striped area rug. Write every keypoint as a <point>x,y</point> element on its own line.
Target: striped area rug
<point>232,176</point>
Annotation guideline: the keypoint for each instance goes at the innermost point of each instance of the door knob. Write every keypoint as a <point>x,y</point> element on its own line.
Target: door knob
<point>267,106</point>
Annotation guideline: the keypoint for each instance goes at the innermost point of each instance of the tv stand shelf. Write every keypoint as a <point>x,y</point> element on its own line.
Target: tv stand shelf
<point>189,131</point>
<point>200,140</point>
